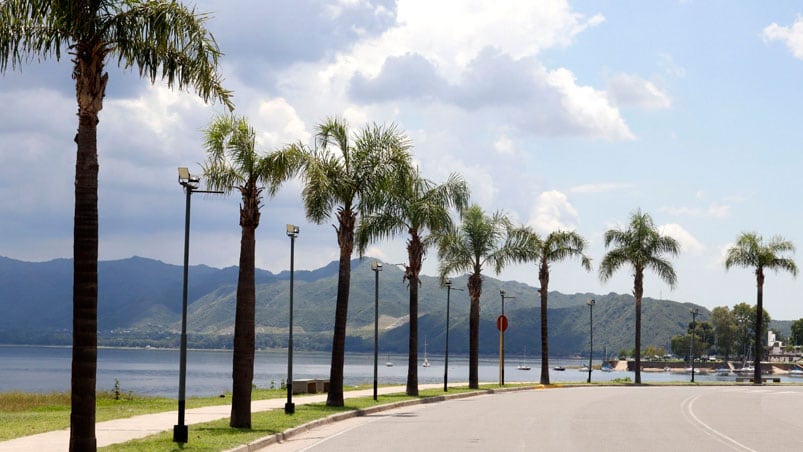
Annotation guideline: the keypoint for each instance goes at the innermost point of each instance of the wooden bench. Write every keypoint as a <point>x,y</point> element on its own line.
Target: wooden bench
<point>763,380</point>
<point>310,386</point>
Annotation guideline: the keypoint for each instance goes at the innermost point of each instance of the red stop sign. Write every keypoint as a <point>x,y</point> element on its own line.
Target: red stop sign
<point>501,323</point>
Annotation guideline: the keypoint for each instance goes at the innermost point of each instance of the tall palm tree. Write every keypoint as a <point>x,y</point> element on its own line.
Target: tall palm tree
<point>480,240</point>
<point>557,246</point>
<point>643,247</point>
<point>339,176</point>
<point>413,205</point>
<point>161,39</point>
<point>233,163</point>
<point>751,251</point>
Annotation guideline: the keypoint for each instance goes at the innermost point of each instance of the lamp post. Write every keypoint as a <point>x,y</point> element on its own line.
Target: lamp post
<point>694,313</point>
<point>290,407</point>
<point>590,304</point>
<point>376,266</point>
<point>190,184</point>
<point>502,325</point>
<point>449,290</point>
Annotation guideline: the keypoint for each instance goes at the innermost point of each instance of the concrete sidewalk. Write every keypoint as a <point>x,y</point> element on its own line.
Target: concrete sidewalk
<point>122,430</point>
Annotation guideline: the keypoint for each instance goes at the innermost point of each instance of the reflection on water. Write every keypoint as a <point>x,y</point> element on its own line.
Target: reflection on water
<point>155,371</point>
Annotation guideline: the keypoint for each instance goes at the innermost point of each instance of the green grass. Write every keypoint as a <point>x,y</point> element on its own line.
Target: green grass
<point>217,435</point>
<point>23,414</point>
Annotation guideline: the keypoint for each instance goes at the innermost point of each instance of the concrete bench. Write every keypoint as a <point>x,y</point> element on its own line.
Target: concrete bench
<point>763,380</point>
<point>310,386</point>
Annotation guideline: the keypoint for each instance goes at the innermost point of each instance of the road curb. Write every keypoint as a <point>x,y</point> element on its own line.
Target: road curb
<point>287,434</point>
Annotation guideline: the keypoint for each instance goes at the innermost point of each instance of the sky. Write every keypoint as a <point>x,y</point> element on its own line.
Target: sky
<point>561,114</point>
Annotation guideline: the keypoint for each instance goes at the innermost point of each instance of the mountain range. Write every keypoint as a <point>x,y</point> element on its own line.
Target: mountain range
<point>139,304</point>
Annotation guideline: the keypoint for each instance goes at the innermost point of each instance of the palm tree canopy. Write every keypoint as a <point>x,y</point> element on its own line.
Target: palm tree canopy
<point>233,161</point>
<point>642,246</point>
<point>527,246</point>
<point>478,241</point>
<point>363,164</point>
<point>162,39</point>
<point>750,250</point>
<point>412,205</point>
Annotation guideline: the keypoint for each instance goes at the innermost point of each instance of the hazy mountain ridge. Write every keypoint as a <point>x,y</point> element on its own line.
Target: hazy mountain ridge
<point>139,303</point>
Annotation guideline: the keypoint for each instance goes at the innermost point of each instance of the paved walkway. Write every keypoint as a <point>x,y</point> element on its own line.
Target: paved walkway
<point>122,430</point>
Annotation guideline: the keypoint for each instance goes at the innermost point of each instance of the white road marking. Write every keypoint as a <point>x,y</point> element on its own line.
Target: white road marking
<point>716,434</point>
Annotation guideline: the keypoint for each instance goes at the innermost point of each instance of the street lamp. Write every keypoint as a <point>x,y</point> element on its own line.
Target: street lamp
<point>502,326</point>
<point>694,313</point>
<point>290,407</point>
<point>190,184</point>
<point>376,266</point>
<point>590,304</point>
<point>449,290</point>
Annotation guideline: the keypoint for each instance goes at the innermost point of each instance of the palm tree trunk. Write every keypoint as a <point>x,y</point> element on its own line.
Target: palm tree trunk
<point>345,239</point>
<point>543,274</point>
<point>759,327</point>
<point>85,288</point>
<point>638,293</point>
<point>415,252</point>
<point>244,336</point>
<point>90,87</point>
<point>475,291</point>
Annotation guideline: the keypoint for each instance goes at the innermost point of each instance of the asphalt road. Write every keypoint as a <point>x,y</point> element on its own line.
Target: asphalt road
<point>656,419</point>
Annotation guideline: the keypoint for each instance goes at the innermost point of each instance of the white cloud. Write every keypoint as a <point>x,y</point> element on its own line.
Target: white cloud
<point>687,241</point>
<point>600,188</point>
<point>553,211</point>
<point>791,36</point>
<point>277,123</point>
<point>628,89</point>
<point>504,145</point>
<point>712,211</point>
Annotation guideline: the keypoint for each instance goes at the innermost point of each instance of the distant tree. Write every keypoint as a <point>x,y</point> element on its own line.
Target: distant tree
<point>725,331</point>
<point>478,241</point>
<point>161,39</point>
<point>421,209</point>
<point>653,350</point>
<point>642,247</point>
<point>681,346</point>
<point>704,331</point>
<point>797,332</point>
<point>751,251</point>
<point>233,163</point>
<point>528,246</point>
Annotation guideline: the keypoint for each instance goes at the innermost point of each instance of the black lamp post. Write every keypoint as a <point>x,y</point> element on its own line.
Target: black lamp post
<point>449,289</point>
<point>502,340</point>
<point>694,313</point>
<point>376,266</point>
<point>190,184</point>
<point>590,304</point>
<point>290,407</point>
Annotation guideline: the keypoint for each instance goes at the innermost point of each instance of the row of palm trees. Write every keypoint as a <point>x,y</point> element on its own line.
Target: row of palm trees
<point>346,177</point>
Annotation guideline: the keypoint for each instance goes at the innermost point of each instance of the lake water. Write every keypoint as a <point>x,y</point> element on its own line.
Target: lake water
<point>155,371</point>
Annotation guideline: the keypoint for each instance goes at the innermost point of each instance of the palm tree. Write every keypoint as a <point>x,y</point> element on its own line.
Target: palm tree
<point>413,205</point>
<point>339,176</point>
<point>557,246</point>
<point>479,240</point>
<point>233,163</point>
<point>159,38</point>
<point>751,251</point>
<point>643,247</point>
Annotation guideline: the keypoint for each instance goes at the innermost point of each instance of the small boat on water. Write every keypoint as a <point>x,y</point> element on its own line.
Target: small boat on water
<point>796,372</point>
<point>523,364</point>
<point>388,362</point>
<point>722,371</point>
<point>745,371</point>
<point>426,362</point>
<point>606,368</point>
<point>584,369</point>
<point>559,368</point>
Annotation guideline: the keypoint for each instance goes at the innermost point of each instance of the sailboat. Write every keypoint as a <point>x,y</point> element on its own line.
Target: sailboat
<point>388,362</point>
<point>522,364</point>
<point>426,362</point>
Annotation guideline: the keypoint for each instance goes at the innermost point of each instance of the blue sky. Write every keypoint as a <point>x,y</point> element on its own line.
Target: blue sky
<point>561,114</point>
